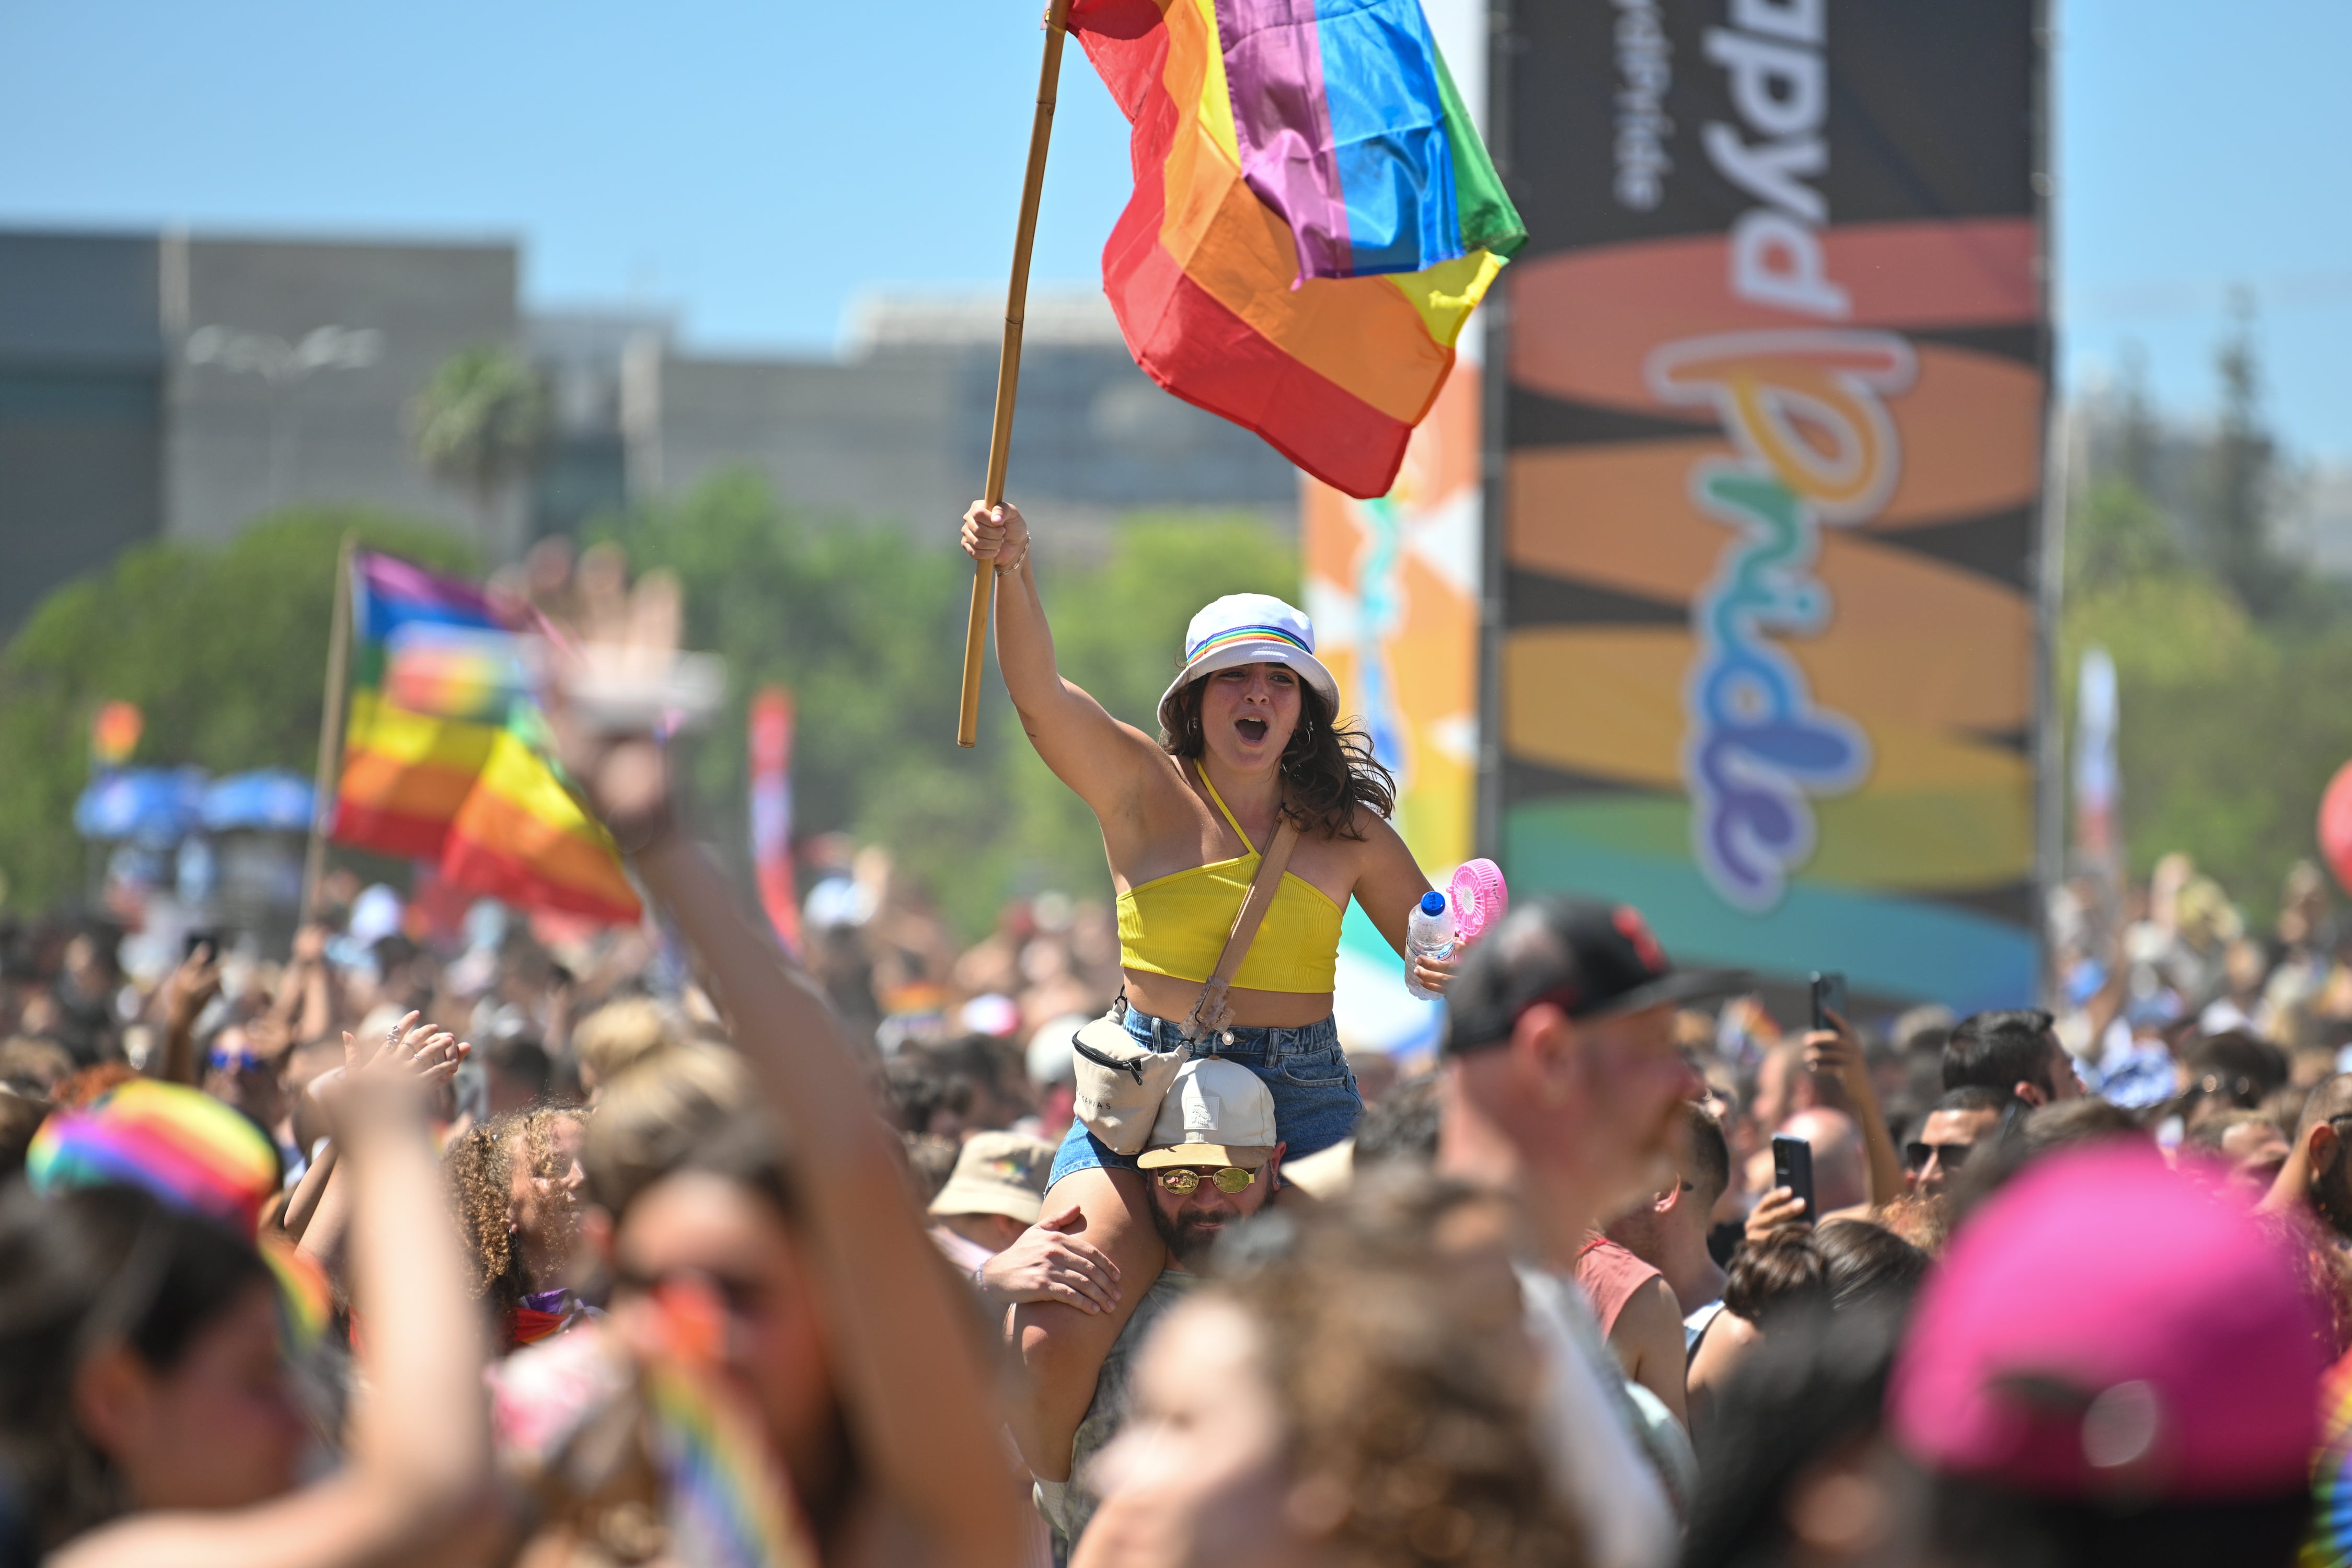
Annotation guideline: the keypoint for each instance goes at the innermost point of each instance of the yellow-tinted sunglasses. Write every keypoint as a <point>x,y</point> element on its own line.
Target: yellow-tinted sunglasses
<point>1180,1181</point>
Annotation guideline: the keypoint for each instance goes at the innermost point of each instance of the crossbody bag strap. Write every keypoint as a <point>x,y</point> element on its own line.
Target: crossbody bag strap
<point>1209,1014</point>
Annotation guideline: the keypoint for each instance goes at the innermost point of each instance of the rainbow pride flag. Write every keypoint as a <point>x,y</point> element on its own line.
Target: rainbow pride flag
<point>1314,217</point>
<point>461,786</point>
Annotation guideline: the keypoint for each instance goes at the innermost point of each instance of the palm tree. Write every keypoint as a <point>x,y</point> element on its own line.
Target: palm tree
<point>480,425</point>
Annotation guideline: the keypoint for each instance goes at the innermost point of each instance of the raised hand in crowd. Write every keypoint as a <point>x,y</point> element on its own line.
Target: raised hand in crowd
<point>1836,1053</point>
<point>186,993</point>
<point>419,1481</point>
<point>911,1391</point>
<point>305,1003</point>
<point>319,1209</point>
<point>1780,1212</point>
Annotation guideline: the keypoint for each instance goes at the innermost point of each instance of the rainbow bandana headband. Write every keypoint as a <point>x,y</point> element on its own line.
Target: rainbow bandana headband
<point>185,1147</point>
<point>1252,628</point>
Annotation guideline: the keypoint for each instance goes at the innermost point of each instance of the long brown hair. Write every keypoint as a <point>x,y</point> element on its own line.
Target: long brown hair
<point>1328,769</point>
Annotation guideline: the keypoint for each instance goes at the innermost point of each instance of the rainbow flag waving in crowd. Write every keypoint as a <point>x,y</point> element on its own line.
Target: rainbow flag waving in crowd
<point>442,768</point>
<point>1314,217</point>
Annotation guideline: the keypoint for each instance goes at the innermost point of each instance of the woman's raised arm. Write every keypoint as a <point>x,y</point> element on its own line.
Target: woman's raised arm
<point>1102,760</point>
<point>420,1482</point>
<point>915,1394</point>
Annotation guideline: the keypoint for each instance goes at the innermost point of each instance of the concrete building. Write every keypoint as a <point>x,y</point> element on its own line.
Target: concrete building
<point>291,366</point>
<point>897,427</point>
<point>180,386</point>
<point>176,387</point>
<point>81,417</point>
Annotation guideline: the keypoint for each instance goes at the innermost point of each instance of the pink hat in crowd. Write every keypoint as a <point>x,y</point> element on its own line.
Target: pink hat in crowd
<point>2106,1327</point>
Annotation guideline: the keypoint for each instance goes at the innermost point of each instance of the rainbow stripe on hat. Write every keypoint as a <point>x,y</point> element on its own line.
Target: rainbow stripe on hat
<point>187,1148</point>
<point>1247,628</point>
<point>1245,634</point>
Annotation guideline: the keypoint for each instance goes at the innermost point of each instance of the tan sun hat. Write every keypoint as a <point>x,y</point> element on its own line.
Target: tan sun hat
<point>1217,1113</point>
<point>998,1172</point>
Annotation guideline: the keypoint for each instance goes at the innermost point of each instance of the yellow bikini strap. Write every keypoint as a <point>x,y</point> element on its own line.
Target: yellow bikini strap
<point>1234,821</point>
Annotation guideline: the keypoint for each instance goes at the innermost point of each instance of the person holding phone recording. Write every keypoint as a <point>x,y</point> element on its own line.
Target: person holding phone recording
<point>1833,1051</point>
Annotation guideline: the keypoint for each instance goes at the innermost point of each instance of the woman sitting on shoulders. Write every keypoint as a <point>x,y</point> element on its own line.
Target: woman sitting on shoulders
<point>1249,741</point>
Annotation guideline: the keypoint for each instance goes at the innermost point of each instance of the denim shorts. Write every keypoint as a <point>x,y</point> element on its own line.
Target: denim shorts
<point>1315,1099</point>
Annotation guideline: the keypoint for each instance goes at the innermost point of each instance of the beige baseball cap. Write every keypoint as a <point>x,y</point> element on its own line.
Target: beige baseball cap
<point>998,1172</point>
<point>1217,1113</point>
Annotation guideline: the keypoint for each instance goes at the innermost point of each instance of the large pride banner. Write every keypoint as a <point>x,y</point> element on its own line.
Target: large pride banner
<point>1774,415</point>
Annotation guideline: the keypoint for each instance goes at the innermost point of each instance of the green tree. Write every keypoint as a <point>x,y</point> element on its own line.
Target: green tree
<point>2240,487</point>
<point>2228,652</point>
<point>2115,536</point>
<point>2225,742</point>
<point>223,649</point>
<point>865,624</point>
<point>480,425</point>
<point>2137,436</point>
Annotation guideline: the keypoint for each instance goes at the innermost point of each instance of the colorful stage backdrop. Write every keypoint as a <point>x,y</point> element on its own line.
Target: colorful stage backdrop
<point>1776,383</point>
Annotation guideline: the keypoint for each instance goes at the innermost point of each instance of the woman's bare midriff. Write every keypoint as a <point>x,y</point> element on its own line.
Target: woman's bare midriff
<point>1164,996</point>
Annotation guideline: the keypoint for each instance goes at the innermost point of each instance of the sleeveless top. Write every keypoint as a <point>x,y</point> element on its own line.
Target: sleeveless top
<point>1176,925</point>
<point>1609,1274</point>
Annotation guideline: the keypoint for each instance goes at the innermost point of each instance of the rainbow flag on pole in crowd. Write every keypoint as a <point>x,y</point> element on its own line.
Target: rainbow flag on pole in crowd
<point>1314,217</point>
<point>772,812</point>
<point>437,764</point>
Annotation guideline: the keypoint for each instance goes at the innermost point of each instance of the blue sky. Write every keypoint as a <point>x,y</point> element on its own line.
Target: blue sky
<point>754,166</point>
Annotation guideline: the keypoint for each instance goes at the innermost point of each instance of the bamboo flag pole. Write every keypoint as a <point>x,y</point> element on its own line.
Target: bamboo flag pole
<point>331,731</point>
<point>1008,363</point>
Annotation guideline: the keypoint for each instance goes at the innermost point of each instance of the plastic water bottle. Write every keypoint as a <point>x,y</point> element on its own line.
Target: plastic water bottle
<point>1428,934</point>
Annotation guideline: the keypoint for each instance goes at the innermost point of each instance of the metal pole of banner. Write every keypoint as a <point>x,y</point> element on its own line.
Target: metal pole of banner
<point>1008,363</point>
<point>2049,739</point>
<point>331,731</point>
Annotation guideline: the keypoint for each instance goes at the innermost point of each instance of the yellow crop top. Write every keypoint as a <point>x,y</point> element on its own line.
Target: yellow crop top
<point>1176,925</point>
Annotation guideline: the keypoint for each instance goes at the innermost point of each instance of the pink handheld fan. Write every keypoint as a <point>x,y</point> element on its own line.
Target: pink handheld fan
<point>1479,897</point>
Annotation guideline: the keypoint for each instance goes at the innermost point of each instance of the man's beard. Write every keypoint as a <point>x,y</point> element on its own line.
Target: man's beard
<point>1191,1236</point>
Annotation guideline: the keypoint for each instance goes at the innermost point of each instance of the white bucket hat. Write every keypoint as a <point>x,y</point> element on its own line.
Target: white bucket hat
<point>1252,628</point>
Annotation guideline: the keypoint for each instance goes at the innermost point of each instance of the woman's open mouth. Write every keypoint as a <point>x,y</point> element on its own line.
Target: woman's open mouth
<point>1253,730</point>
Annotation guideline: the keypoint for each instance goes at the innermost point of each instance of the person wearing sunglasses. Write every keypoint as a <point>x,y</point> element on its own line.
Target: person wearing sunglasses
<point>1213,1160</point>
<point>1961,1120</point>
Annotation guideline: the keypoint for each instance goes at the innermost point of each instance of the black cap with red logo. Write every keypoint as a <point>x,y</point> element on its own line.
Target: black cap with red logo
<point>1590,960</point>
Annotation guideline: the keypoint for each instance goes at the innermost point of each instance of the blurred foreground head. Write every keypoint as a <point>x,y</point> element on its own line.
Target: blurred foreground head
<point>141,1360</point>
<point>697,1216</point>
<point>2114,1363</point>
<point>618,1036</point>
<point>1355,1390</point>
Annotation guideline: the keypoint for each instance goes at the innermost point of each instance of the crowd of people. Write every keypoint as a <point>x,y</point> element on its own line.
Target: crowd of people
<point>1094,1244</point>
